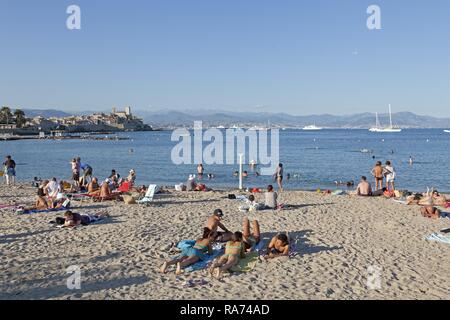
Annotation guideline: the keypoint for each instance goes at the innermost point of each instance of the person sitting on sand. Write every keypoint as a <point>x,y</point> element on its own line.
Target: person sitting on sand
<point>105,191</point>
<point>52,188</point>
<point>191,185</point>
<point>214,222</point>
<point>73,219</point>
<point>193,254</point>
<point>438,199</point>
<point>377,172</point>
<point>132,176</point>
<point>93,188</point>
<point>234,251</point>
<point>114,177</point>
<point>251,239</point>
<point>278,247</point>
<point>270,198</point>
<point>364,188</point>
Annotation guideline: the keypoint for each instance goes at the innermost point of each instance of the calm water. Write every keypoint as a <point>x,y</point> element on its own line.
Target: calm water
<point>317,158</point>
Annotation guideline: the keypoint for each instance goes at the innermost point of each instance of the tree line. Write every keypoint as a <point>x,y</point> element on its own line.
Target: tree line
<point>8,117</point>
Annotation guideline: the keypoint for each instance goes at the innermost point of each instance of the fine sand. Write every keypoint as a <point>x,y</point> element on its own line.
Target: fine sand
<point>339,239</point>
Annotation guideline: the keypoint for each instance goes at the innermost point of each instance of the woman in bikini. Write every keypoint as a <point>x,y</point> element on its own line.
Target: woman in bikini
<point>278,247</point>
<point>234,251</point>
<point>193,254</point>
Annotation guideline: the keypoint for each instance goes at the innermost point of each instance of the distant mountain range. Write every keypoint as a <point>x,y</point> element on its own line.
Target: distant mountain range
<point>169,118</point>
<point>225,118</point>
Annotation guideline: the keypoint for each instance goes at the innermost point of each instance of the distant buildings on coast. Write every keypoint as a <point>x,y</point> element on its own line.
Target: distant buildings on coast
<point>116,121</point>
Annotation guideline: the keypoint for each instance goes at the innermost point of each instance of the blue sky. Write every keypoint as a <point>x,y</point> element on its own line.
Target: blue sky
<point>294,56</point>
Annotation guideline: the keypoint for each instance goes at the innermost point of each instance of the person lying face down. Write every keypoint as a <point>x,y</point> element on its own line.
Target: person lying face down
<point>234,251</point>
<point>278,247</point>
<point>214,223</point>
<point>364,188</point>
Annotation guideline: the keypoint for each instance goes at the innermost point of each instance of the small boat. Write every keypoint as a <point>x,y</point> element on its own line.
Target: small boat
<point>448,131</point>
<point>379,128</point>
<point>312,128</point>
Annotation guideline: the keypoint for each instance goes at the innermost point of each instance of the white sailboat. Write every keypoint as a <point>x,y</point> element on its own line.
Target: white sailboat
<point>448,131</point>
<point>379,128</point>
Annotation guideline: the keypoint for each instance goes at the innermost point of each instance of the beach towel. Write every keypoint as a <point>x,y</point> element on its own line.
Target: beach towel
<point>400,201</point>
<point>439,238</point>
<point>246,264</point>
<point>338,193</point>
<point>203,264</point>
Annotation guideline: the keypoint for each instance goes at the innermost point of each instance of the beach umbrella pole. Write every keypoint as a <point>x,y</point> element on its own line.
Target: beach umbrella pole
<point>241,167</point>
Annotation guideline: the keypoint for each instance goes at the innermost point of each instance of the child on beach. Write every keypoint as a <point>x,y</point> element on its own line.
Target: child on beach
<point>377,172</point>
<point>193,254</point>
<point>234,251</point>
<point>278,247</point>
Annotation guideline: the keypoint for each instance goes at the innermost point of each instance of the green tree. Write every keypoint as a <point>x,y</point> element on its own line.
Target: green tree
<point>19,115</point>
<point>5,115</point>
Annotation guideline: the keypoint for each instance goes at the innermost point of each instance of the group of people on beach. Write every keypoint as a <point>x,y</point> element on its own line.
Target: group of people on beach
<point>238,244</point>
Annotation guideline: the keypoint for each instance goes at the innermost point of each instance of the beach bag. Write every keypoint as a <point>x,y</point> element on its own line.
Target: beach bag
<point>128,199</point>
<point>397,194</point>
<point>389,194</point>
<point>232,196</point>
<point>179,187</point>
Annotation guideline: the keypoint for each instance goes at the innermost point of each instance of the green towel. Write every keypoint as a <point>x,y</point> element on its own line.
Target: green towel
<point>246,264</point>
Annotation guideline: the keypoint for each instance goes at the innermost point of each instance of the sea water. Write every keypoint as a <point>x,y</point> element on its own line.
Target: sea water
<point>313,159</point>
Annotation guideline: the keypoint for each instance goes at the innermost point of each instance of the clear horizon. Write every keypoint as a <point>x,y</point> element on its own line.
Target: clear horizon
<point>299,58</point>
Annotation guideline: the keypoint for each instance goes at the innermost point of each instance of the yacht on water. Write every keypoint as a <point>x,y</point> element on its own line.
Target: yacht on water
<point>390,128</point>
<point>448,131</point>
<point>312,128</point>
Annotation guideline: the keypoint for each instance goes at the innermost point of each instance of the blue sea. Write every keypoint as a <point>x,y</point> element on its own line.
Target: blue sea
<point>313,159</point>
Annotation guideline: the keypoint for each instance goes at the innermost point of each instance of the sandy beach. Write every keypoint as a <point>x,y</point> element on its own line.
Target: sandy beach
<point>338,238</point>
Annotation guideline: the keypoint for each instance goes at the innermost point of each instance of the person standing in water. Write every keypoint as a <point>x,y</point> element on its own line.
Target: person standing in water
<point>10,170</point>
<point>279,176</point>
<point>377,172</point>
<point>200,170</point>
<point>411,160</point>
<point>390,175</point>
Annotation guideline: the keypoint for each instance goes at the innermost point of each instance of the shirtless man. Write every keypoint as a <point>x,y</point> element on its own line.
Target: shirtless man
<point>278,247</point>
<point>214,222</point>
<point>93,187</point>
<point>364,188</point>
<point>377,172</point>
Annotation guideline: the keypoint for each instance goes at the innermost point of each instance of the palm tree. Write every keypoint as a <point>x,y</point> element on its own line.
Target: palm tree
<point>5,115</point>
<point>19,115</point>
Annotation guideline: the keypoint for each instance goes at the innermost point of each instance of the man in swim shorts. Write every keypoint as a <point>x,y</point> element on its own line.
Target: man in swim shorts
<point>214,222</point>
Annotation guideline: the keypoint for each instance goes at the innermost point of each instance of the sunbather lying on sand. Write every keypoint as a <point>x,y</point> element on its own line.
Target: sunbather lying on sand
<point>193,254</point>
<point>251,239</point>
<point>73,219</point>
<point>214,222</point>
<point>430,212</point>
<point>234,250</point>
<point>278,247</point>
